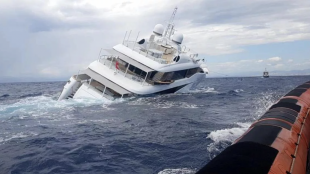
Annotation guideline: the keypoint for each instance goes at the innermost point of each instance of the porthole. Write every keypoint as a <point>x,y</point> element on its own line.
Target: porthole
<point>177,58</point>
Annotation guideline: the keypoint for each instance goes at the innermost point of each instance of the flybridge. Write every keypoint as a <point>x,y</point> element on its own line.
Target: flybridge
<point>163,46</point>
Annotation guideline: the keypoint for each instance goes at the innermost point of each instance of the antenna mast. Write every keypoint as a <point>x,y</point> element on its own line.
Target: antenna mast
<point>170,27</point>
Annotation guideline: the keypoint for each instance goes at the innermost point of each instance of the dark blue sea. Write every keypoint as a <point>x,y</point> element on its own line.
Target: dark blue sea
<point>163,134</point>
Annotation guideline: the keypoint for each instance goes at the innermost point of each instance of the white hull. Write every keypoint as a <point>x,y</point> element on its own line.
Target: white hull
<point>85,90</point>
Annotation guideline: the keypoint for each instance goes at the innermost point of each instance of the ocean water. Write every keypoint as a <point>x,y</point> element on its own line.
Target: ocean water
<point>163,134</point>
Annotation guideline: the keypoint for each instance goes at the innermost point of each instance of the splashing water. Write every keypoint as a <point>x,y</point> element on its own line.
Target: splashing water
<point>177,171</point>
<point>6,136</point>
<point>160,102</point>
<point>40,105</point>
<point>197,90</point>
<point>264,102</point>
<point>224,137</point>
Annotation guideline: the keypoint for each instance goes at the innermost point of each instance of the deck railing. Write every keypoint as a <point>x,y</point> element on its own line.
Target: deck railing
<point>148,51</point>
<point>107,60</point>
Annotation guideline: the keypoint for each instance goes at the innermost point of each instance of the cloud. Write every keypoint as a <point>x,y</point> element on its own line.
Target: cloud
<point>279,65</point>
<point>240,23</point>
<point>245,61</point>
<point>50,71</point>
<point>275,59</point>
<point>290,60</point>
<point>59,37</point>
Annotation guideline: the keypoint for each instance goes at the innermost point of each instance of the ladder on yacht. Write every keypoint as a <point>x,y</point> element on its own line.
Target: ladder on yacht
<point>74,91</point>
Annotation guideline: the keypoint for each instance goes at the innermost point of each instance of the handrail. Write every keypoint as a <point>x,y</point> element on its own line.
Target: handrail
<point>136,78</point>
<point>146,53</point>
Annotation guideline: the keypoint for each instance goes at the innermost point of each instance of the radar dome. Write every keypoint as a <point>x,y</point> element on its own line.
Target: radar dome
<point>158,29</point>
<point>177,38</point>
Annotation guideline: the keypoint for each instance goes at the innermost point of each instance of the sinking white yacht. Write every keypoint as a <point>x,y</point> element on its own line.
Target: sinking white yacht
<point>156,65</point>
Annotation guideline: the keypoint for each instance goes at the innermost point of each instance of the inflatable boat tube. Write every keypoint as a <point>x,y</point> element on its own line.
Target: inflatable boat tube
<point>277,143</point>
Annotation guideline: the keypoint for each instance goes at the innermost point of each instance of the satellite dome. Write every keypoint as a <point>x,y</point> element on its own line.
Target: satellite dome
<point>158,29</point>
<point>177,38</point>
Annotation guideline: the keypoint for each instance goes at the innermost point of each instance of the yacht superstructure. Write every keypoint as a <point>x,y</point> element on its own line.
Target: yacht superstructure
<point>155,65</point>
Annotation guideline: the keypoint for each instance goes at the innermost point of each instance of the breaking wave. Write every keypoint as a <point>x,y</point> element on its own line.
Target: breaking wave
<point>160,102</point>
<point>222,138</point>
<point>6,136</point>
<point>177,171</point>
<point>199,90</point>
<point>39,105</point>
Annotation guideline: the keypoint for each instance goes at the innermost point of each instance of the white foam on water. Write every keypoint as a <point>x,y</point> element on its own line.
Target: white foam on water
<point>162,103</point>
<point>168,104</point>
<point>9,136</point>
<point>189,106</point>
<point>40,105</point>
<point>224,137</point>
<point>200,90</point>
<point>238,90</point>
<point>98,121</point>
<point>229,134</point>
<point>177,171</point>
<point>264,102</point>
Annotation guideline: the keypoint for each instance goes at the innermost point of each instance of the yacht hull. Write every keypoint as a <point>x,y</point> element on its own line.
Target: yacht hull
<point>84,89</point>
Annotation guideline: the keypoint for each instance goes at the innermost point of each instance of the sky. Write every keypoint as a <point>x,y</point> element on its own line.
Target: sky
<point>54,39</point>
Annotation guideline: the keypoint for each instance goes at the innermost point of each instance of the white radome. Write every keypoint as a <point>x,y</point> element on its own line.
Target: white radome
<point>158,29</point>
<point>177,38</point>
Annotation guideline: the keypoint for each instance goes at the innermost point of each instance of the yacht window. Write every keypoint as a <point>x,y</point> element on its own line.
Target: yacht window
<point>172,76</point>
<point>152,74</point>
<point>138,71</point>
<point>112,93</point>
<point>167,76</point>
<point>179,75</point>
<point>131,68</point>
<point>191,72</point>
<point>97,85</point>
<point>143,74</point>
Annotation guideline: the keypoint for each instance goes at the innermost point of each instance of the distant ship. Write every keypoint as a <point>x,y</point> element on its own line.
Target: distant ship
<point>266,74</point>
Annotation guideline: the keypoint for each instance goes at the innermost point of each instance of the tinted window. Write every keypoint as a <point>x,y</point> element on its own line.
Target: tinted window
<point>191,72</point>
<point>179,75</point>
<point>143,74</point>
<point>138,71</point>
<point>167,76</point>
<point>176,75</point>
<point>152,74</point>
<point>131,68</point>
